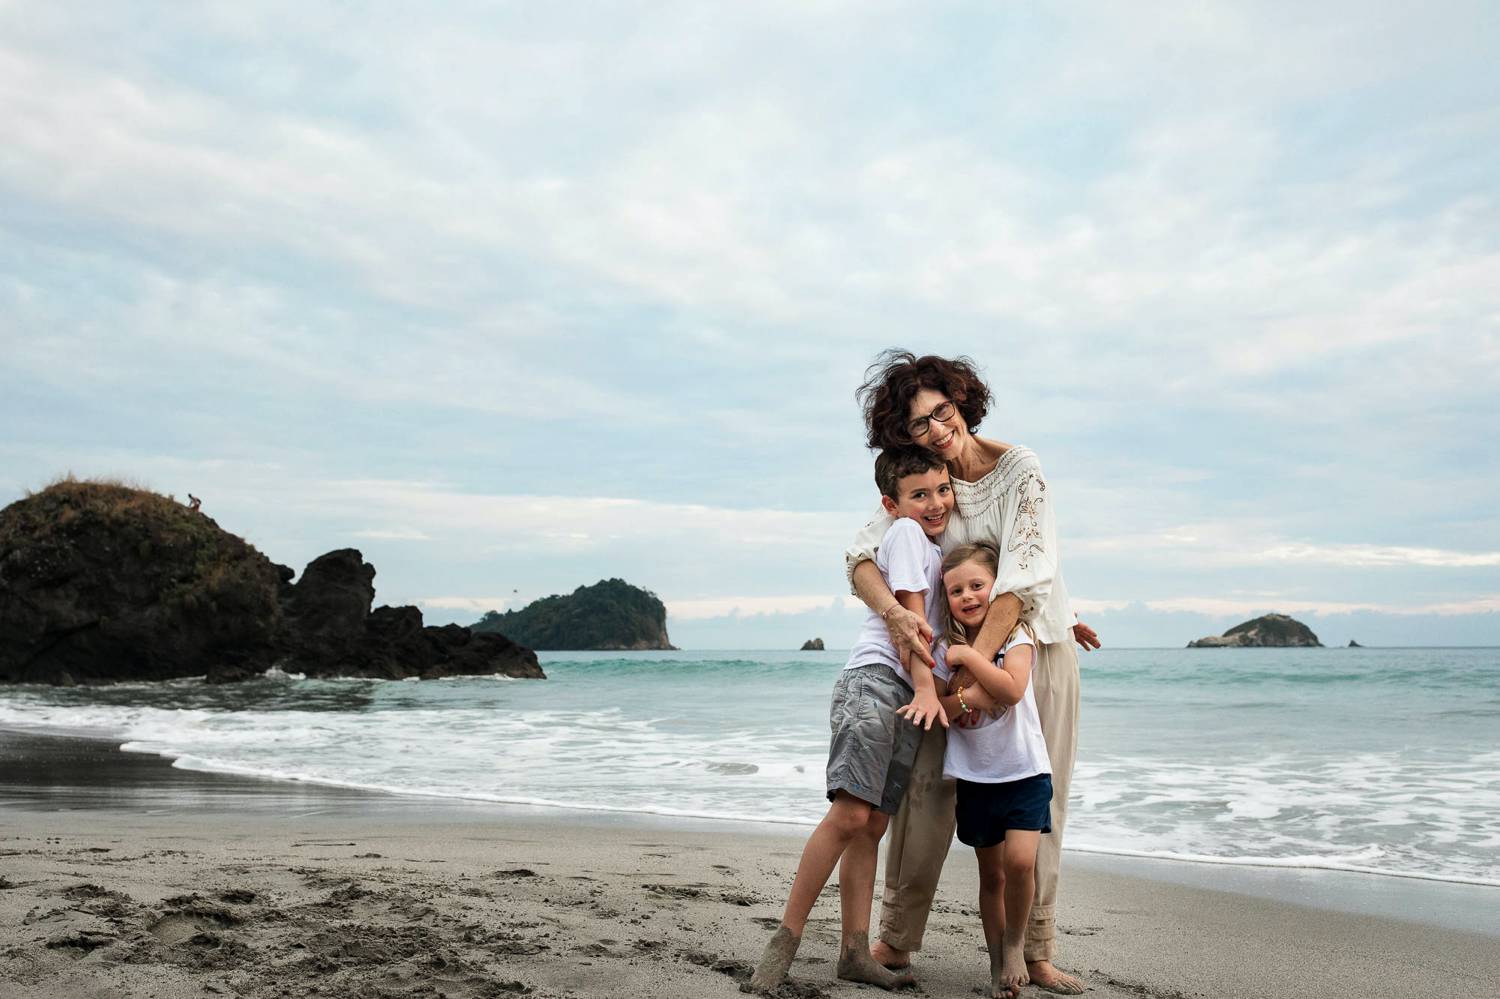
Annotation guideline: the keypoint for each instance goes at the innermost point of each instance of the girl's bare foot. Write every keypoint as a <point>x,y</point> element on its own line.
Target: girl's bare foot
<point>857,964</point>
<point>1046,975</point>
<point>1011,975</point>
<point>771,971</point>
<point>889,956</point>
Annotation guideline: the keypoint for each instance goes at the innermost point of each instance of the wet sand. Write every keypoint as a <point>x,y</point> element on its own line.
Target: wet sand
<point>122,877</point>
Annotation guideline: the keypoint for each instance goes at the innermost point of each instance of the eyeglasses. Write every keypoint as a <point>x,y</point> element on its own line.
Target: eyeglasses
<point>919,428</point>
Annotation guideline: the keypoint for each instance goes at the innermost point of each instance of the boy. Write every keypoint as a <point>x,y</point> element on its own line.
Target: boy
<point>871,754</point>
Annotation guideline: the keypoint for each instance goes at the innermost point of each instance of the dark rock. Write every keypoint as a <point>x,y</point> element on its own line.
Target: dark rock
<point>1271,631</point>
<point>102,582</point>
<point>1354,645</point>
<point>611,614</point>
<point>813,645</point>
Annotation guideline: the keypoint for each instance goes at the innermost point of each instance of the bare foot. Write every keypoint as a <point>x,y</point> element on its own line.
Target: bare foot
<point>1046,975</point>
<point>777,958</point>
<point>1006,981</point>
<point>856,964</point>
<point>889,956</point>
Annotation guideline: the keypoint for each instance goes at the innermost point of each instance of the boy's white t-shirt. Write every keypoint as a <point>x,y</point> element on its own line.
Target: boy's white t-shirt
<point>997,748</point>
<point>908,560</point>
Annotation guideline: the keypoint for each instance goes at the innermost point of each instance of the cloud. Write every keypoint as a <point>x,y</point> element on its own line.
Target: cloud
<point>1246,543</point>
<point>393,534</point>
<point>561,297</point>
<point>1244,607</point>
<point>474,605</point>
<point>712,607</point>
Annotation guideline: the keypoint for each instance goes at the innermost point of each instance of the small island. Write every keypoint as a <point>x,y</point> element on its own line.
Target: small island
<point>1273,631</point>
<point>813,645</point>
<point>609,615</point>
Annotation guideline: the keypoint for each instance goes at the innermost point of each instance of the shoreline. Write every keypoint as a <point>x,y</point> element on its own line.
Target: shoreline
<point>50,772</point>
<point>254,904</point>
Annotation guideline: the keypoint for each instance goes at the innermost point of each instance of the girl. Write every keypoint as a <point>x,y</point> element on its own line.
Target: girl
<point>998,758</point>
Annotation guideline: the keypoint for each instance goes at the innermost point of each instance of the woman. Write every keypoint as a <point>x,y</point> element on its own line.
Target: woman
<point>1002,499</point>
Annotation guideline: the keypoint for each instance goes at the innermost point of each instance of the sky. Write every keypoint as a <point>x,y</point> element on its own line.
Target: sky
<point>516,297</point>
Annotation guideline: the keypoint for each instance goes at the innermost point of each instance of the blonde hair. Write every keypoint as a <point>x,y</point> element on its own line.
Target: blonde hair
<point>987,556</point>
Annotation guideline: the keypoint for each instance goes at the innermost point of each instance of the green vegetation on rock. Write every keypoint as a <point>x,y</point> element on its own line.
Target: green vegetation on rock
<point>611,614</point>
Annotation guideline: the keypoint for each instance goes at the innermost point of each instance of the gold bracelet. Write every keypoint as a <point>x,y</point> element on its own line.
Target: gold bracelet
<point>886,614</point>
<point>961,705</point>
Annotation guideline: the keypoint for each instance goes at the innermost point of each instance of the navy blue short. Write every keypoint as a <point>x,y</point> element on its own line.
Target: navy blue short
<point>985,811</point>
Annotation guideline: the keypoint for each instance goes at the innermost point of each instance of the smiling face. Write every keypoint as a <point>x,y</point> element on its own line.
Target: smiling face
<point>926,497</point>
<point>944,438</point>
<point>967,587</point>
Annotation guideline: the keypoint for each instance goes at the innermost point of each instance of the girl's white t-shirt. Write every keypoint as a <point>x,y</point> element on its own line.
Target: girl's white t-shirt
<point>993,747</point>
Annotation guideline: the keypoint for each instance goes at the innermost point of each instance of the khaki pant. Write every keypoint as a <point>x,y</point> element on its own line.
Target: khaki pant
<point>922,831</point>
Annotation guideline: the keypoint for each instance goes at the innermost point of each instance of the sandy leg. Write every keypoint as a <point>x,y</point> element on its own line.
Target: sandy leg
<point>856,965</point>
<point>775,960</point>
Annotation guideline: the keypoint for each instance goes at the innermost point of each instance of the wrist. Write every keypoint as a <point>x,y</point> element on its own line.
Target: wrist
<point>885,615</point>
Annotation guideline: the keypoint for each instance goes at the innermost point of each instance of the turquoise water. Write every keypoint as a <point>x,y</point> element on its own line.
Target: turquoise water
<point>1379,760</point>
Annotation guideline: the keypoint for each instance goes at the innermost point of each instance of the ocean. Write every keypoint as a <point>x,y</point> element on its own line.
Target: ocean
<point>1381,761</point>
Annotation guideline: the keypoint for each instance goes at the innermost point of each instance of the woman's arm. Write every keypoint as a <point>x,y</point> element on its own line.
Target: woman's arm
<point>999,622</point>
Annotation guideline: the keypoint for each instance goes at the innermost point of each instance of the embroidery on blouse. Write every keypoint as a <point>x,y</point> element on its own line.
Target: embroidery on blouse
<point>1026,541</point>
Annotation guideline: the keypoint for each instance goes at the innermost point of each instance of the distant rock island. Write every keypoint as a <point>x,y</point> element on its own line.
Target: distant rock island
<point>813,645</point>
<point>611,614</point>
<point>101,581</point>
<point>1354,645</point>
<point>1271,631</point>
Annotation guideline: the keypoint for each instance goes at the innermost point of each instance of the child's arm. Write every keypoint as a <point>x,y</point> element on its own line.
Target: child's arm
<point>975,696</point>
<point>924,706</point>
<point>1007,683</point>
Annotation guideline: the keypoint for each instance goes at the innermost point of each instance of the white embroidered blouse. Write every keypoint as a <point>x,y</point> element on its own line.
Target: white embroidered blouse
<point>1008,507</point>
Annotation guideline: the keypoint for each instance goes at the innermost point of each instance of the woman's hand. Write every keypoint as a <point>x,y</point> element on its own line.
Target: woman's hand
<point>910,634</point>
<point>1086,637</point>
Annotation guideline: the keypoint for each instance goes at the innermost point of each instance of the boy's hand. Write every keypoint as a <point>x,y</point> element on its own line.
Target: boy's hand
<point>910,634</point>
<point>924,707</point>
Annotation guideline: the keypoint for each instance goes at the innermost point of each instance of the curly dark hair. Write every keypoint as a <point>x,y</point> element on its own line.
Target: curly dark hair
<point>894,380</point>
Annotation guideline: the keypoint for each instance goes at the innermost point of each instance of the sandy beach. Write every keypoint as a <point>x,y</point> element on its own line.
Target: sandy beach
<point>120,876</point>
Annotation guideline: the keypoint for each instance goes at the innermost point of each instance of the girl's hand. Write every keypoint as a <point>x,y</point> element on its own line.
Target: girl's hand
<point>963,678</point>
<point>924,707</point>
<point>910,634</point>
<point>958,658</point>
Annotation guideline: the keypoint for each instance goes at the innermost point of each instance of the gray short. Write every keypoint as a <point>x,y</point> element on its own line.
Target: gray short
<point>873,748</point>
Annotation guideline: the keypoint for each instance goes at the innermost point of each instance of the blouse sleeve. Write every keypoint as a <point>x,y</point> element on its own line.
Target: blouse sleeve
<point>866,544</point>
<point>1028,541</point>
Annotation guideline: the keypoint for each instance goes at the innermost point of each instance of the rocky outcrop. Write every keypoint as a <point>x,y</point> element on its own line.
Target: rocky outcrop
<point>1354,645</point>
<point>101,582</point>
<point>609,615</point>
<point>813,645</point>
<point>1271,631</point>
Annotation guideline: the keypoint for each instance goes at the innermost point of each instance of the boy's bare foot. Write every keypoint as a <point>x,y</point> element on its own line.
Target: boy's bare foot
<point>856,964</point>
<point>1046,975</point>
<point>890,957</point>
<point>775,961</point>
